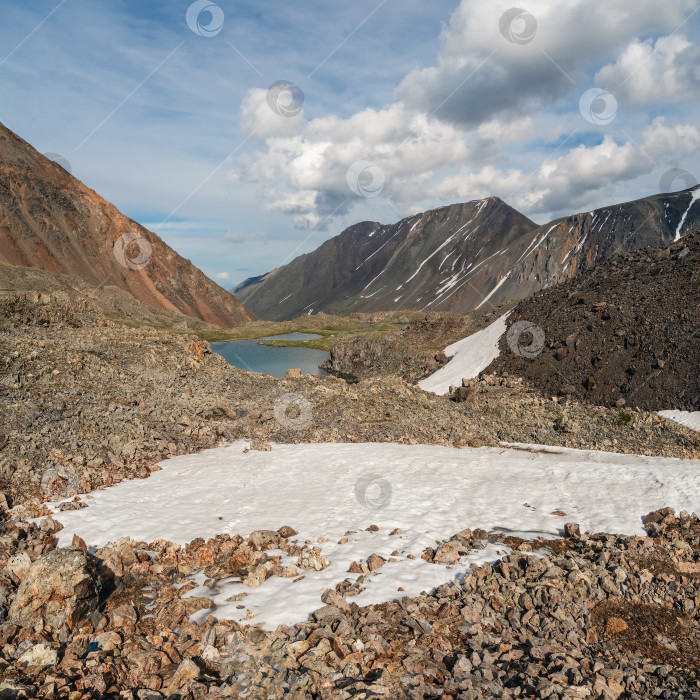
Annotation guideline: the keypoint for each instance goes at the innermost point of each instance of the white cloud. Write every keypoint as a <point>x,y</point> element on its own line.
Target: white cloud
<point>479,74</point>
<point>223,276</point>
<point>444,136</point>
<point>313,166</point>
<point>260,121</point>
<point>667,69</point>
<point>576,178</point>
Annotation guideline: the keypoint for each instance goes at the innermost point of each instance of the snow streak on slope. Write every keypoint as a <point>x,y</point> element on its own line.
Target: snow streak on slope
<point>470,356</point>
<point>431,492</point>
<point>494,290</point>
<point>696,196</point>
<point>535,244</point>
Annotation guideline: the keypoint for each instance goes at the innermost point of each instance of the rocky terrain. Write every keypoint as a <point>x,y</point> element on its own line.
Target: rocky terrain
<point>113,302</point>
<point>411,353</point>
<point>462,257</point>
<point>626,333</point>
<point>52,221</point>
<point>590,616</point>
<point>87,403</point>
<point>103,402</point>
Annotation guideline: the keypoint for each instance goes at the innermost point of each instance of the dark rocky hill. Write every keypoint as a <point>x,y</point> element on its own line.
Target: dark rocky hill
<point>626,333</point>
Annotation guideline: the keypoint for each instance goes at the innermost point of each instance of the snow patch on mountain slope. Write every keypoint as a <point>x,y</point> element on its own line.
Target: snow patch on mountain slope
<point>694,198</point>
<point>470,356</point>
<point>690,419</point>
<point>494,290</point>
<point>534,245</point>
<point>438,249</point>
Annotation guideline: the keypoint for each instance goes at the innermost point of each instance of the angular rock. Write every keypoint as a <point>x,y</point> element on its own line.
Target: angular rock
<point>39,656</point>
<point>61,587</point>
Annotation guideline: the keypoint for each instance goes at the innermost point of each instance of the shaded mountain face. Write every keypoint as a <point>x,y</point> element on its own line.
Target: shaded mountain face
<point>462,257</point>
<point>50,220</point>
<point>370,267</point>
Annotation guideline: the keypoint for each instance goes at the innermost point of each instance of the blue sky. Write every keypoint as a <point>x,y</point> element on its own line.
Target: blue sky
<point>439,102</point>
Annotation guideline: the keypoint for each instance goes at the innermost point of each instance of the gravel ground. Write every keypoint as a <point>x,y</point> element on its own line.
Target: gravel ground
<point>589,616</point>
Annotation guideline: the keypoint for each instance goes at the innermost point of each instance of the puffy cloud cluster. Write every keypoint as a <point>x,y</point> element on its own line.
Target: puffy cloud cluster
<point>667,69</point>
<point>494,91</point>
<point>575,179</point>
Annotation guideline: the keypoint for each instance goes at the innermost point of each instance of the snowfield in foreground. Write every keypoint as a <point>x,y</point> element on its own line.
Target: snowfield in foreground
<point>470,356</point>
<point>431,492</point>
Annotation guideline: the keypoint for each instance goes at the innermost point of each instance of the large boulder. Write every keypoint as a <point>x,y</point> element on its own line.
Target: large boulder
<point>61,587</point>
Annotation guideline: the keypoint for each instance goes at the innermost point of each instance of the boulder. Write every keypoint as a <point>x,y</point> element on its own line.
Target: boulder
<point>266,539</point>
<point>375,562</point>
<point>572,531</point>
<point>39,656</point>
<point>311,560</point>
<point>61,587</point>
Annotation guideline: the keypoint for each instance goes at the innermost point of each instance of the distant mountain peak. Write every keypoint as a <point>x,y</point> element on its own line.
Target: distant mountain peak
<point>462,256</point>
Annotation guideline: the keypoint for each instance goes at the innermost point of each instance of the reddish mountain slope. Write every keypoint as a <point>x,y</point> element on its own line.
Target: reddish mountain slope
<point>52,221</point>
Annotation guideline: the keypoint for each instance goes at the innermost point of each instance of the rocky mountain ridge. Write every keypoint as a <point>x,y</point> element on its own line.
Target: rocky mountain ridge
<point>462,257</point>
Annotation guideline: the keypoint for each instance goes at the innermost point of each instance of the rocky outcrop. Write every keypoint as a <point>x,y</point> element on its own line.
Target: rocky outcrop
<point>60,588</point>
<point>412,353</point>
<point>52,221</point>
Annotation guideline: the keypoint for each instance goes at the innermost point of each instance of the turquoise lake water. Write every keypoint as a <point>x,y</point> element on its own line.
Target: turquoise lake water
<point>267,359</point>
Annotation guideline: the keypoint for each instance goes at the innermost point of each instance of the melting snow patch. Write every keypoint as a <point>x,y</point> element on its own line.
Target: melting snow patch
<point>694,198</point>
<point>470,356</point>
<point>690,419</point>
<point>431,492</point>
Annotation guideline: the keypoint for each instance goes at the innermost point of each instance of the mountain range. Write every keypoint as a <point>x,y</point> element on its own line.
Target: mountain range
<point>51,221</point>
<point>461,257</point>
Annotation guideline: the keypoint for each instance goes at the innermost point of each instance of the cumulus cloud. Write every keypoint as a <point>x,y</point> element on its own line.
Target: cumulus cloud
<point>222,276</point>
<point>480,74</point>
<point>314,165</point>
<point>258,119</point>
<point>575,178</point>
<point>444,136</point>
<point>667,69</point>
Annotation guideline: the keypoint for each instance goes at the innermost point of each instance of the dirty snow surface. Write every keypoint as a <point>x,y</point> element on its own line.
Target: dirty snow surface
<point>431,492</point>
<point>690,419</point>
<point>470,356</point>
